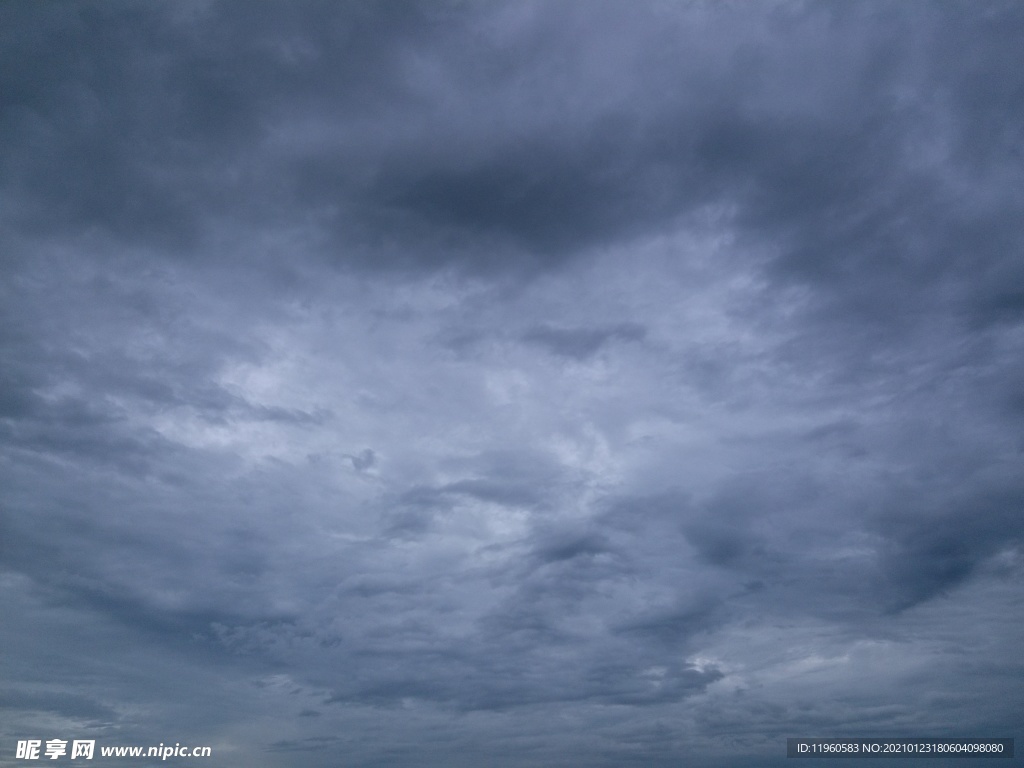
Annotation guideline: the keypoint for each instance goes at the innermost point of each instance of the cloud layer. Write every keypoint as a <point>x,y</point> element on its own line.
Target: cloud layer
<point>510,384</point>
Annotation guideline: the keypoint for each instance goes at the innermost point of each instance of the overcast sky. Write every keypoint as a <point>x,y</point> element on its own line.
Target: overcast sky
<point>510,383</point>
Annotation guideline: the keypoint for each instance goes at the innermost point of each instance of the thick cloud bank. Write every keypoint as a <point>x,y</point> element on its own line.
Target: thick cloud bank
<point>512,384</point>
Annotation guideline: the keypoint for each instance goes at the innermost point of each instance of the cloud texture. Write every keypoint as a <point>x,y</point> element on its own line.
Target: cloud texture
<point>556,383</point>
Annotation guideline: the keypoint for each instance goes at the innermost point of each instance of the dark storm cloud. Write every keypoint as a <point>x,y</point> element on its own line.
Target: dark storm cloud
<point>120,111</point>
<point>548,194</point>
<point>836,174</point>
<point>75,114</point>
<point>581,343</point>
<point>935,544</point>
<point>557,548</point>
<point>562,383</point>
<point>364,460</point>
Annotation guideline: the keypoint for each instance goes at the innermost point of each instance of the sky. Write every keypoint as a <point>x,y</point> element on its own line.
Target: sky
<point>510,383</point>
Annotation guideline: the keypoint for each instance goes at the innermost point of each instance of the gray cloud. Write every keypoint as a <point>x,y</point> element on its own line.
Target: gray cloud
<point>581,343</point>
<point>509,384</point>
